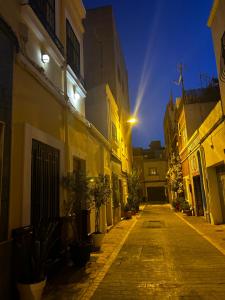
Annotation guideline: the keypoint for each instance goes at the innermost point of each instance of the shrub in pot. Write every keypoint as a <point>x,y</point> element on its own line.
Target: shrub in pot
<point>78,200</point>
<point>101,193</point>
<point>32,246</point>
<point>127,212</point>
<point>134,190</point>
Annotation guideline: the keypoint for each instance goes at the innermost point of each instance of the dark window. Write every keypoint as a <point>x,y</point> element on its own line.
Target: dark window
<point>73,50</point>
<point>45,10</point>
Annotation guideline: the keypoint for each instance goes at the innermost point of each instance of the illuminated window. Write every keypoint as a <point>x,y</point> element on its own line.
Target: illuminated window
<point>152,171</point>
<point>72,49</point>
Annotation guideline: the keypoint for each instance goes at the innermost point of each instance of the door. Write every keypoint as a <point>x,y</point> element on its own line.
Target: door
<point>44,182</point>
<point>156,194</point>
<point>220,171</point>
<point>198,196</point>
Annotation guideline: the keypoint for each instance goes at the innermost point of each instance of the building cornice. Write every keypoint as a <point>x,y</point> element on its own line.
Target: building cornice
<point>213,12</point>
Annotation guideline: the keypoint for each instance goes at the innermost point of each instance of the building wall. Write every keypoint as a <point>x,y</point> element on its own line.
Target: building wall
<point>217,24</point>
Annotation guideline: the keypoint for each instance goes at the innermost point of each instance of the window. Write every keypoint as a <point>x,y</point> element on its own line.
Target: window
<point>114,132</point>
<point>73,50</point>
<point>152,171</point>
<point>45,11</point>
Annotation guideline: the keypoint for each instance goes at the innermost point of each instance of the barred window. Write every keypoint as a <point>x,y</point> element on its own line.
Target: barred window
<point>73,49</point>
<point>45,10</point>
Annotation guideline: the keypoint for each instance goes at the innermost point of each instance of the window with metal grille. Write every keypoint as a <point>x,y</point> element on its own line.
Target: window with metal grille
<point>72,49</point>
<point>44,182</point>
<point>222,59</point>
<point>45,10</point>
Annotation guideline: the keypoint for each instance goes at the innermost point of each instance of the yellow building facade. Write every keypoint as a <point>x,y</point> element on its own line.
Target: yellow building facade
<point>51,135</point>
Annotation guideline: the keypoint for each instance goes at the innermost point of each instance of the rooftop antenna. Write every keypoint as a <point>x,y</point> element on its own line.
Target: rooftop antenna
<point>180,81</point>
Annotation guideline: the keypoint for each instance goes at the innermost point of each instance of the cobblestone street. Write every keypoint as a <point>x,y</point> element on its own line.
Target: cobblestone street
<point>163,258</point>
<point>157,256</point>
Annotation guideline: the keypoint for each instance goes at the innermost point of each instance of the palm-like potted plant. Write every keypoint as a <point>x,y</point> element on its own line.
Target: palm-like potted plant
<point>32,247</point>
<point>101,193</point>
<point>78,192</point>
<point>134,190</point>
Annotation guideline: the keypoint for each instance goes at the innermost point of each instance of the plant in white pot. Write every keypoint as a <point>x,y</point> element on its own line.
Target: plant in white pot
<point>32,248</point>
<point>101,193</point>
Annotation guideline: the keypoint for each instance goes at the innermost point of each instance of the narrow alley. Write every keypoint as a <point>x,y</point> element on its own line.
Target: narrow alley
<point>164,258</point>
<point>155,255</point>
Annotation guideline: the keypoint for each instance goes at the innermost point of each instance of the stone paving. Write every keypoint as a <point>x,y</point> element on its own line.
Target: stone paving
<point>73,284</point>
<point>157,255</point>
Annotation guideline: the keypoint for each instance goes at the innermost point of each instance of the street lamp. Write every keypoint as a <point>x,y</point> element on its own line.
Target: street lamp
<point>132,121</point>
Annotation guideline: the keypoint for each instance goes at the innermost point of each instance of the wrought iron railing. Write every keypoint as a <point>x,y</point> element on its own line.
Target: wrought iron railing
<point>45,11</point>
<point>73,51</point>
<point>222,59</point>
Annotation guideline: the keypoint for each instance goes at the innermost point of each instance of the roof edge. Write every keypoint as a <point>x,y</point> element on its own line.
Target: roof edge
<point>213,12</point>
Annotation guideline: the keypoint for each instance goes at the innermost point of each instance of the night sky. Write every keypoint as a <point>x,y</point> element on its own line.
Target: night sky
<point>157,35</point>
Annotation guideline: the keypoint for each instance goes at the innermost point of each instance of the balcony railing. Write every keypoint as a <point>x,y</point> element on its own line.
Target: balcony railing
<point>222,59</point>
<point>45,11</point>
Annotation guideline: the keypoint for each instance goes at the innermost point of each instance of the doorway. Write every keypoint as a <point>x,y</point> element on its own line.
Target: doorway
<point>198,196</point>
<point>44,182</point>
<point>220,171</point>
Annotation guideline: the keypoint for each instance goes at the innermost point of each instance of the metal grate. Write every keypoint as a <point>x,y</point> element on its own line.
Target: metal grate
<point>153,224</point>
<point>72,50</point>
<point>44,182</point>
<point>222,59</point>
<point>45,11</point>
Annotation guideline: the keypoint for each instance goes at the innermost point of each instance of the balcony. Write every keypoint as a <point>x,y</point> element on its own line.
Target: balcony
<point>222,59</point>
<point>45,11</point>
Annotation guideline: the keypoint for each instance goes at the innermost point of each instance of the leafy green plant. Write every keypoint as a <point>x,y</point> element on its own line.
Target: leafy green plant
<point>101,193</point>
<point>134,185</point>
<point>174,174</point>
<point>32,249</point>
<point>79,193</point>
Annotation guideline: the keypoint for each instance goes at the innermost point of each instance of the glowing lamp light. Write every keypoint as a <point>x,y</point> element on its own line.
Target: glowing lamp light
<point>132,120</point>
<point>77,96</point>
<point>45,58</point>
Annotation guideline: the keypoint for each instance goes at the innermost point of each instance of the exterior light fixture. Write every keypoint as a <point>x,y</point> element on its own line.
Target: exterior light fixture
<point>77,96</point>
<point>132,120</point>
<point>45,58</point>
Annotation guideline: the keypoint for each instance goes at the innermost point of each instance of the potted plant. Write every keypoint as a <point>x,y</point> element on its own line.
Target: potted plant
<point>32,247</point>
<point>101,193</point>
<point>116,199</point>
<point>127,212</point>
<point>78,200</point>
<point>134,191</point>
<point>186,209</point>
